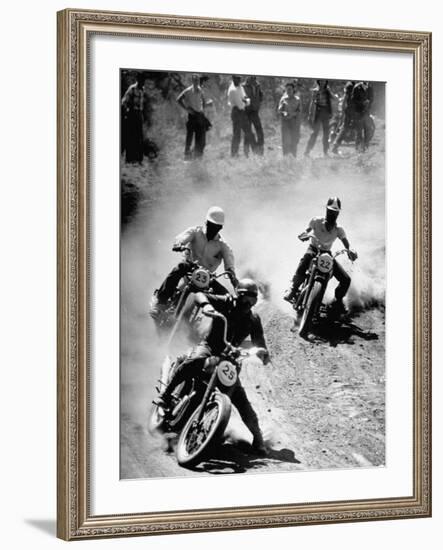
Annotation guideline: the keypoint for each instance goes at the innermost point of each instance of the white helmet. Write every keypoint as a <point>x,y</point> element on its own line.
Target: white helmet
<point>334,203</point>
<point>216,215</point>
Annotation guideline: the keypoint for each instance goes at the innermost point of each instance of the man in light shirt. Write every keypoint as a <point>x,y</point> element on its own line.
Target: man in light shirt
<point>208,248</point>
<point>238,101</point>
<point>289,108</point>
<point>323,232</point>
<point>193,101</point>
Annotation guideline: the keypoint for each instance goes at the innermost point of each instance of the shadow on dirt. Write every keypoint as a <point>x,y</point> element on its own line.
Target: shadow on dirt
<point>337,332</point>
<point>239,458</point>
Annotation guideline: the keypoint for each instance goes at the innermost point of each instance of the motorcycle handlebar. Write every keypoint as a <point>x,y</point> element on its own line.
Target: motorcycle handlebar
<point>348,252</point>
<point>222,274</point>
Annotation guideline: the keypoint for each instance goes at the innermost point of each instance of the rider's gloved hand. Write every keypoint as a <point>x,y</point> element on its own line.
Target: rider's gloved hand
<point>352,254</point>
<point>263,354</point>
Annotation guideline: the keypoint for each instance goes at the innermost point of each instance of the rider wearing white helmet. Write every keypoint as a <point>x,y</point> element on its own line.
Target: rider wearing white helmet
<point>323,231</point>
<point>207,247</point>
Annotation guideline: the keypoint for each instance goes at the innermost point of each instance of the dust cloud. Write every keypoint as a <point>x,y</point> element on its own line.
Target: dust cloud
<point>267,202</point>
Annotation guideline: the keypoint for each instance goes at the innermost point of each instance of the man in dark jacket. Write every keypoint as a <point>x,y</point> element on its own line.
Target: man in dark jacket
<point>346,116</point>
<point>241,323</point>
<point>362,98</point>
<point>320,111</point>
<point>133,103</point>
<point>254,93</point>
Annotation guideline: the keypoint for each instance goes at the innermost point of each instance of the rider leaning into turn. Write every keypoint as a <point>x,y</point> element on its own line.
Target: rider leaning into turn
<point>208,248</point>
<point>323,232</point>
<point>241,323</point>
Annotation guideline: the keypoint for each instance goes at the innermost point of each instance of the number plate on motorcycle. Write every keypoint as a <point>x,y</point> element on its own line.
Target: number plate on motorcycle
<point>325,263</point>
<point>227,373</point>
<point>200,278</point>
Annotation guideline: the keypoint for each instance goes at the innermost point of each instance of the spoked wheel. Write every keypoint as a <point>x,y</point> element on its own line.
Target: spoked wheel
<point>197,437</point>
<point>310,309</point>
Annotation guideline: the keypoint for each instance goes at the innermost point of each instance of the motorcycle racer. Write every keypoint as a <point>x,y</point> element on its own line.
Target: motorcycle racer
<point>241,323</point>
<point>208,248</point>
<point>322,232</point>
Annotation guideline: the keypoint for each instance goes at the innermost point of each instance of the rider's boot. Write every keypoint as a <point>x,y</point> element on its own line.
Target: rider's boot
<point>156,308</point>
<point>163,400</point>
<point>290,294</point>
<point>338,307</point>
<point>258,444</point>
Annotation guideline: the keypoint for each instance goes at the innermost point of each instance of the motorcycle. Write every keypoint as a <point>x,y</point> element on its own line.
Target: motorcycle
<point>202,405</point>
<point>308,301</point>
<point>207,423</point>
<point>197,279</point>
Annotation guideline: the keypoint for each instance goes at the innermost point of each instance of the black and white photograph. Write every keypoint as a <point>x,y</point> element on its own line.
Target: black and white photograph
<point>252,257</point>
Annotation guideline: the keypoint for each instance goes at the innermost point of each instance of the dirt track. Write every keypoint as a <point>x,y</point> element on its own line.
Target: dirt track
<point>320,403</point>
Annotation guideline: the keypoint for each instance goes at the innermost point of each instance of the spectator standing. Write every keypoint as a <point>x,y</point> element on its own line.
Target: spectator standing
<point>238,101</point>
<point>320,111</point>
<point>362,98</point>
<point>254,93</point>
<point>133,103</point>
<point>289,108</point>
<point>192,100</point>
<point>347,116</point>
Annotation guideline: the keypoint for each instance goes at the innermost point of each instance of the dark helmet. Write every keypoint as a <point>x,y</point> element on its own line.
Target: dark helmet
<point>247,287</point>
<point>334,203</point>
<point>247,293</point>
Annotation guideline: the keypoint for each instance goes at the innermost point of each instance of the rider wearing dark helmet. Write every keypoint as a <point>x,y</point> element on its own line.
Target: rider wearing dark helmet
<point>323,232</point>
<point>241,323</point>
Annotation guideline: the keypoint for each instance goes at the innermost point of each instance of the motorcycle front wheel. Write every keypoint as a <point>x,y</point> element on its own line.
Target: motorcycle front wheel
<point>197,438</point>
<point>310,308</point>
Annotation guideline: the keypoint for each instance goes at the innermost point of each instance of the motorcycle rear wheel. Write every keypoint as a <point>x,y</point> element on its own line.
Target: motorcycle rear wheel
<point>310,309</point>
<point>196,441</point>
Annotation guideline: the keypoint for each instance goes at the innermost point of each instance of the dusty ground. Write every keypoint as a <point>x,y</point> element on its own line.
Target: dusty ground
<point>322,401</point>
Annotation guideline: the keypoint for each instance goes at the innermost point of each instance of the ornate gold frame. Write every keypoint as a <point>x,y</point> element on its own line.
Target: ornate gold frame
<point>73,515</point>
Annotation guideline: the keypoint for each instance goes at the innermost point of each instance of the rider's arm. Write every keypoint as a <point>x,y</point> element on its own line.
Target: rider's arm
<point>229,262</point>
<point>346,243</point>
<point>202,301</point>
<point>184,238</point>
<point>210,303</point>
<point>342,236</point>
<point>304,236</point>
